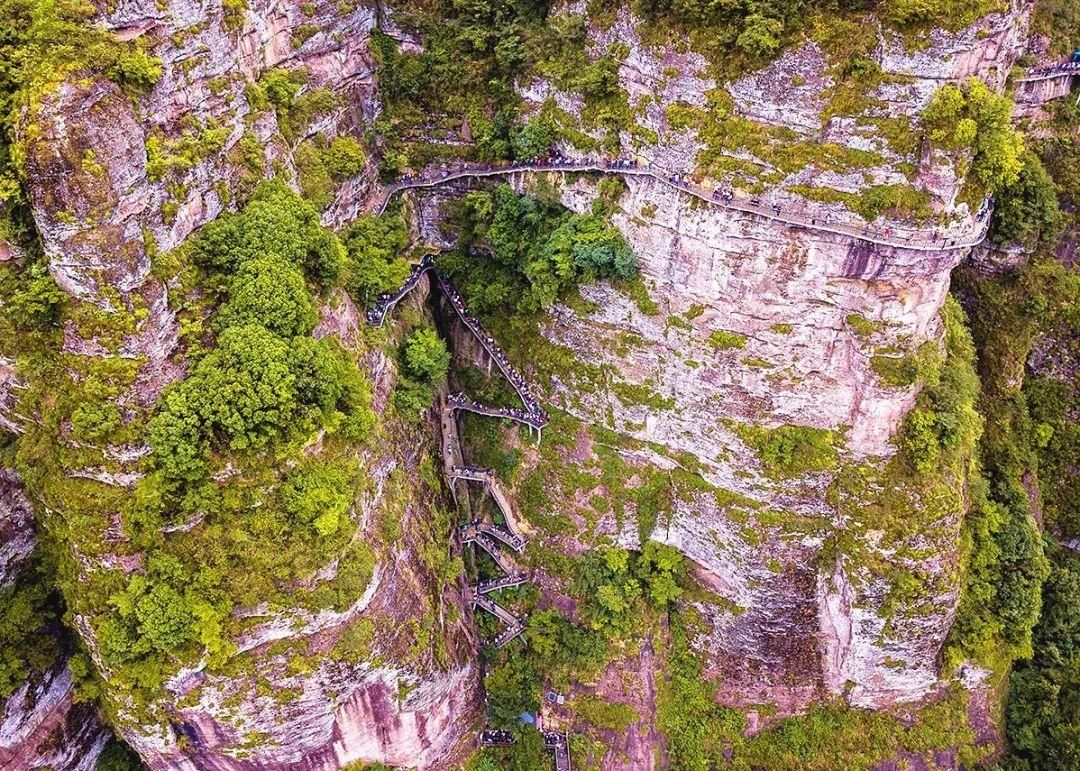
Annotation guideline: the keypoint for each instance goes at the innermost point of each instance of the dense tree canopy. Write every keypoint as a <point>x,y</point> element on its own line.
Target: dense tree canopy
<point>1043,715</point>
<point>275,222</point>
<point>27,607</point>
<point>375,263</point>
<point>614,584</point>
<point>269,291</point>
<point>425,361</point>
<point>254,388</point>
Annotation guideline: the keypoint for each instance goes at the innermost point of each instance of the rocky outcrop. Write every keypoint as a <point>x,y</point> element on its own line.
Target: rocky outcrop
<point>17,539</point>
<point>41,727</point>
<point>805,313</point>
<point>387,703</point>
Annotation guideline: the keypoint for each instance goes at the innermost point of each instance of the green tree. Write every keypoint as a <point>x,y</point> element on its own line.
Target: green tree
<point>276,221</point>
<point>317,495</point>
<point>267,290</point>
<point>1026,210</point>
<point>136,69</point>
<point>344,157</point>
<point>974,118</point>
<point>27,607</point>
<point>760,36</point>
<point>533,140</point>
<point>375,262</point>
<point>512,688</point>
<point>243,392</point>
<point>1043,711</point>
<point>426,356</point>
<point>36,300</point>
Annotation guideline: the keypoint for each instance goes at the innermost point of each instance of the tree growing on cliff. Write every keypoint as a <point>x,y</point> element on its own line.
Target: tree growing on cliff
<point>537,250</point>
<point>375,259</point>
<point>1043,713</point>
<point>1026,211</point>
<point>425,362</point>
<point>426,355</point>
<point>973,118</point>
<point>267,290</point>
<point>276,221</point>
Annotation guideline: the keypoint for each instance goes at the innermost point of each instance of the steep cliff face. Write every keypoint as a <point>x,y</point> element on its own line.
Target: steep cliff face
<point>756,323</point>
<point>40,725</point>
<point>389,673</point>
<point>747,325</point>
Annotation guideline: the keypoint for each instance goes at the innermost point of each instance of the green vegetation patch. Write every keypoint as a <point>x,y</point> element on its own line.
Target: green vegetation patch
<point>791,451</point>
<point>532,251</point>
<point>973,120</point>
<point>722,340</point>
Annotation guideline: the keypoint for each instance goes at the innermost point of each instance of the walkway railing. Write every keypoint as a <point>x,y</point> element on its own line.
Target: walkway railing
<point>483,534</point>
<point>472,473</point>
<point>529,416</point>
<point>515,625</point>
<point>472,534</point>
<point>892,235</point>
<point>1054,71</point>
<point>491,482</point>
<point>533,409</point>
<point>384,303</point>
<point>515,542</point>
<point>473,530</point>
<point>557,743</point>
<point>507,582</point>
<point>553,740</point>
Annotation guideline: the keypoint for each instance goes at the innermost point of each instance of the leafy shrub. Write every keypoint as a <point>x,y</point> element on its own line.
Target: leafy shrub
<point>604,714</point>
<point>925,14</point>
<point>36,300</point>
<point>761,36</point>
<point>317,495</point>
<point>345,157</point>
<point>316,183</point>
<point>1000,601</point>
<point>1026,210</point>
<point>242,395</point>
<point>281,89</point>
<point>276,221</point>
<point>136,69</point>
<point>425,362</point>
<point>614,584</point>
<point>538,251</point>
<point>863,327</point>
<point>426,356</point>
<point>1041,718</point>
<point>375,259</point>
<point>159,611</point>
<point>27,646</point>
<point>512,688</point>
<point>697,728</point>
<point>266,381</point>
